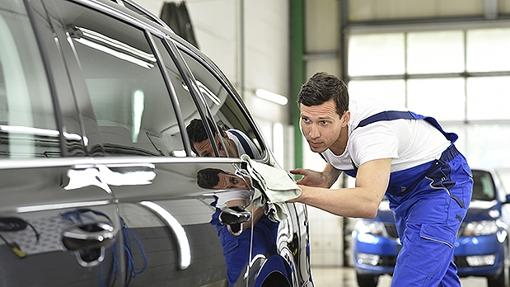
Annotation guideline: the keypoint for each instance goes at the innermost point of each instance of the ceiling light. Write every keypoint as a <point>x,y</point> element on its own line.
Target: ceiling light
<point>270,96</point>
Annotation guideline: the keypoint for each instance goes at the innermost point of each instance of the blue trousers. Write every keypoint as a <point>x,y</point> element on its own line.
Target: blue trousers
<point>428,215</point>
<point>236,249</point>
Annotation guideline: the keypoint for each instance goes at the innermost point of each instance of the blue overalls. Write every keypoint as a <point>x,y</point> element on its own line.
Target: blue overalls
<point>236,249</point>
<point>429,202</point>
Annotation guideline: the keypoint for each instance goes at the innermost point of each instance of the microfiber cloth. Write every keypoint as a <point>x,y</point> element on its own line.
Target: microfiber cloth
<point>275,183</point>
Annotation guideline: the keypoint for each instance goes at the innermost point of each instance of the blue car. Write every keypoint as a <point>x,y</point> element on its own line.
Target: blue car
<point>480,250</point>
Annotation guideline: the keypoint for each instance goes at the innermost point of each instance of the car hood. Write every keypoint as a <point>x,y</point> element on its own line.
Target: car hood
<point>482,210</point>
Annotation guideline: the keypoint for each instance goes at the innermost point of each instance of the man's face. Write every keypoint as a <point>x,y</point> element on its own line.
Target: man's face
<point>230,181</point>
<point>205,149</point>
<point>321,125</point>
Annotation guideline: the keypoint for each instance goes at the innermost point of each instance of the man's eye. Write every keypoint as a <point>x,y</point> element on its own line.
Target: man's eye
<point>323,123</point>
<point>306,121</point>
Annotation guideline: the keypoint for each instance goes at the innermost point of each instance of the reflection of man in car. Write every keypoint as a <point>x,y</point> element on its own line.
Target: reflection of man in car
<point>237,189</point>
<point>235,193</point>
<point>218,179</point>
<point>236,142</point>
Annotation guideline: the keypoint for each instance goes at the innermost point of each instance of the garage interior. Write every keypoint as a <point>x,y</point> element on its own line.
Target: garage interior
<point>427,55</point>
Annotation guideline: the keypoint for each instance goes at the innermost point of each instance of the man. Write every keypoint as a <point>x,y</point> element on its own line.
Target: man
<point>406,156</point>
<point>236,142</point>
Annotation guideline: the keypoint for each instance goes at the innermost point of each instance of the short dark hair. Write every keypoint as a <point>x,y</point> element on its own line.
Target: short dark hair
<point>208,177</point>
<point>197,133</point>
<point>323,87</point>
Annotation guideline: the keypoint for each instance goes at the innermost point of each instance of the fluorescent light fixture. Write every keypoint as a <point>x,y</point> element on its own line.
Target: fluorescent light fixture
<point>270,96</point>
<point>177,229</point>
<point>137,113</point>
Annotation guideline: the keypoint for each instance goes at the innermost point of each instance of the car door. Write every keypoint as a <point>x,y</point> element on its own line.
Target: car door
<point>58,222</point>
<point>277,247</point>
<point>129,105</point>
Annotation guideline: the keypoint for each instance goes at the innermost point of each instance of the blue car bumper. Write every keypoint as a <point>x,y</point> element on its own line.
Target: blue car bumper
<point>377,254</point>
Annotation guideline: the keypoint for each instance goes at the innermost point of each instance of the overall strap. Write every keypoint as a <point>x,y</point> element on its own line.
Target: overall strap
<point>244,143</point>
<point>406,115</point>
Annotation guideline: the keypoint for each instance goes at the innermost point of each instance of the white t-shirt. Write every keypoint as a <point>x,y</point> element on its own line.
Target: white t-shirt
<point>407,142</point>
<point>254,150</point>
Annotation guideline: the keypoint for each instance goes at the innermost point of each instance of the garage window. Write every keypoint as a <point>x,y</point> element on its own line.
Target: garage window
<point>454,75</point>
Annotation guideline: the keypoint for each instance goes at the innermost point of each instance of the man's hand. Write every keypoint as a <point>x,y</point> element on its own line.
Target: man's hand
<point>311,178</point>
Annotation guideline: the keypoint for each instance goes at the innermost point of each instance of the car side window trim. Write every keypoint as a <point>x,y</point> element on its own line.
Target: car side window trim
<point>227,87</point>
<point>49,76</point>
<point>120,15</point>
<point>171,92</point>
<point>190,81</point>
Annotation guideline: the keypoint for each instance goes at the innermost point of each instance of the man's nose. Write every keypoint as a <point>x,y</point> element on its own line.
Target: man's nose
<point>314,132</point>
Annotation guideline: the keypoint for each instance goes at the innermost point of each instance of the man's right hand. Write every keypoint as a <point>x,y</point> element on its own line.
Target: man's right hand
<point>311,178</point>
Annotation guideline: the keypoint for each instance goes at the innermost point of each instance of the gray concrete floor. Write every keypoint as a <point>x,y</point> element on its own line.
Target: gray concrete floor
<point>345,277</point>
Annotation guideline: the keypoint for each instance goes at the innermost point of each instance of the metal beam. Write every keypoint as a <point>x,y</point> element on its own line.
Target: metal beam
<point>427,24</point>
<point>297,71</point>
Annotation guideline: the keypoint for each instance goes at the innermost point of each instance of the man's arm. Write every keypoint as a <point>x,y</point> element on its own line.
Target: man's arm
<point>326,178</point>
<point>361,201</point>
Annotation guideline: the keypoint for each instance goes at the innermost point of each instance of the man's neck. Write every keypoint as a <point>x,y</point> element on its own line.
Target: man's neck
<point>232,148</point>
<point>340,145</point>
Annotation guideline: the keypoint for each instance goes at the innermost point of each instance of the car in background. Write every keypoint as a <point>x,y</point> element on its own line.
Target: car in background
<point>99,169</point>
<point>481,248</point>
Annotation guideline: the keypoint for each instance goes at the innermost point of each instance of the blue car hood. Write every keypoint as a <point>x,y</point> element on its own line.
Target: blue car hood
<point>482,210</point>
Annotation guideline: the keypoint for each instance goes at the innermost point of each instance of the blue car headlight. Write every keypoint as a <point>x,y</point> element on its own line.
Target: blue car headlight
<point>370,227</point>
<point>477,228</point>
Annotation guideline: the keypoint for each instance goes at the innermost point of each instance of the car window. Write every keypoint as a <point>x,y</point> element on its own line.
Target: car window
<point>127,96</point>
<point>483,186</point>
<point>237,135</point>
<point>28,127</point>
<point>189,112</point>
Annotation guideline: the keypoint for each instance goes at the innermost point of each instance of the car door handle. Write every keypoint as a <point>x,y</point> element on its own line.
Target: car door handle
<point>234,215</point>
<point>88,236</point>
<point>233,218</point>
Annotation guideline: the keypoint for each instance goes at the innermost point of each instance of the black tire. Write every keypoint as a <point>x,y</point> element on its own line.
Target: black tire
<point>498,281</point>
<point>366,280</point>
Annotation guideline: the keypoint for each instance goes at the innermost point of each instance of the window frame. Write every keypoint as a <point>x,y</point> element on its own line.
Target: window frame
<point>220,77</point>
<point>55,89</point>
<point>78,81</point>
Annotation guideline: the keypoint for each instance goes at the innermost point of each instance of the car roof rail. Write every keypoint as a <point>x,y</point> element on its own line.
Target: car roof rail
<point>137,8</point>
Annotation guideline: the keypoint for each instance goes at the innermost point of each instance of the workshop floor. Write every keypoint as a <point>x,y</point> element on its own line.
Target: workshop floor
<point>345,277</point>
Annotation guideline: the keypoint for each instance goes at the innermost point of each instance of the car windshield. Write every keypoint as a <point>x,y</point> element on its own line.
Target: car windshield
<point>483,186</point>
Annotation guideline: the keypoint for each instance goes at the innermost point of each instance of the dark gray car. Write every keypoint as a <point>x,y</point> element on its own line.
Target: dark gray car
<point>120,165</point>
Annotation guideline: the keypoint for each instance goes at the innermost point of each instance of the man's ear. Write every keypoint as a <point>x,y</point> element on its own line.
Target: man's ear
<point>344,120</point>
